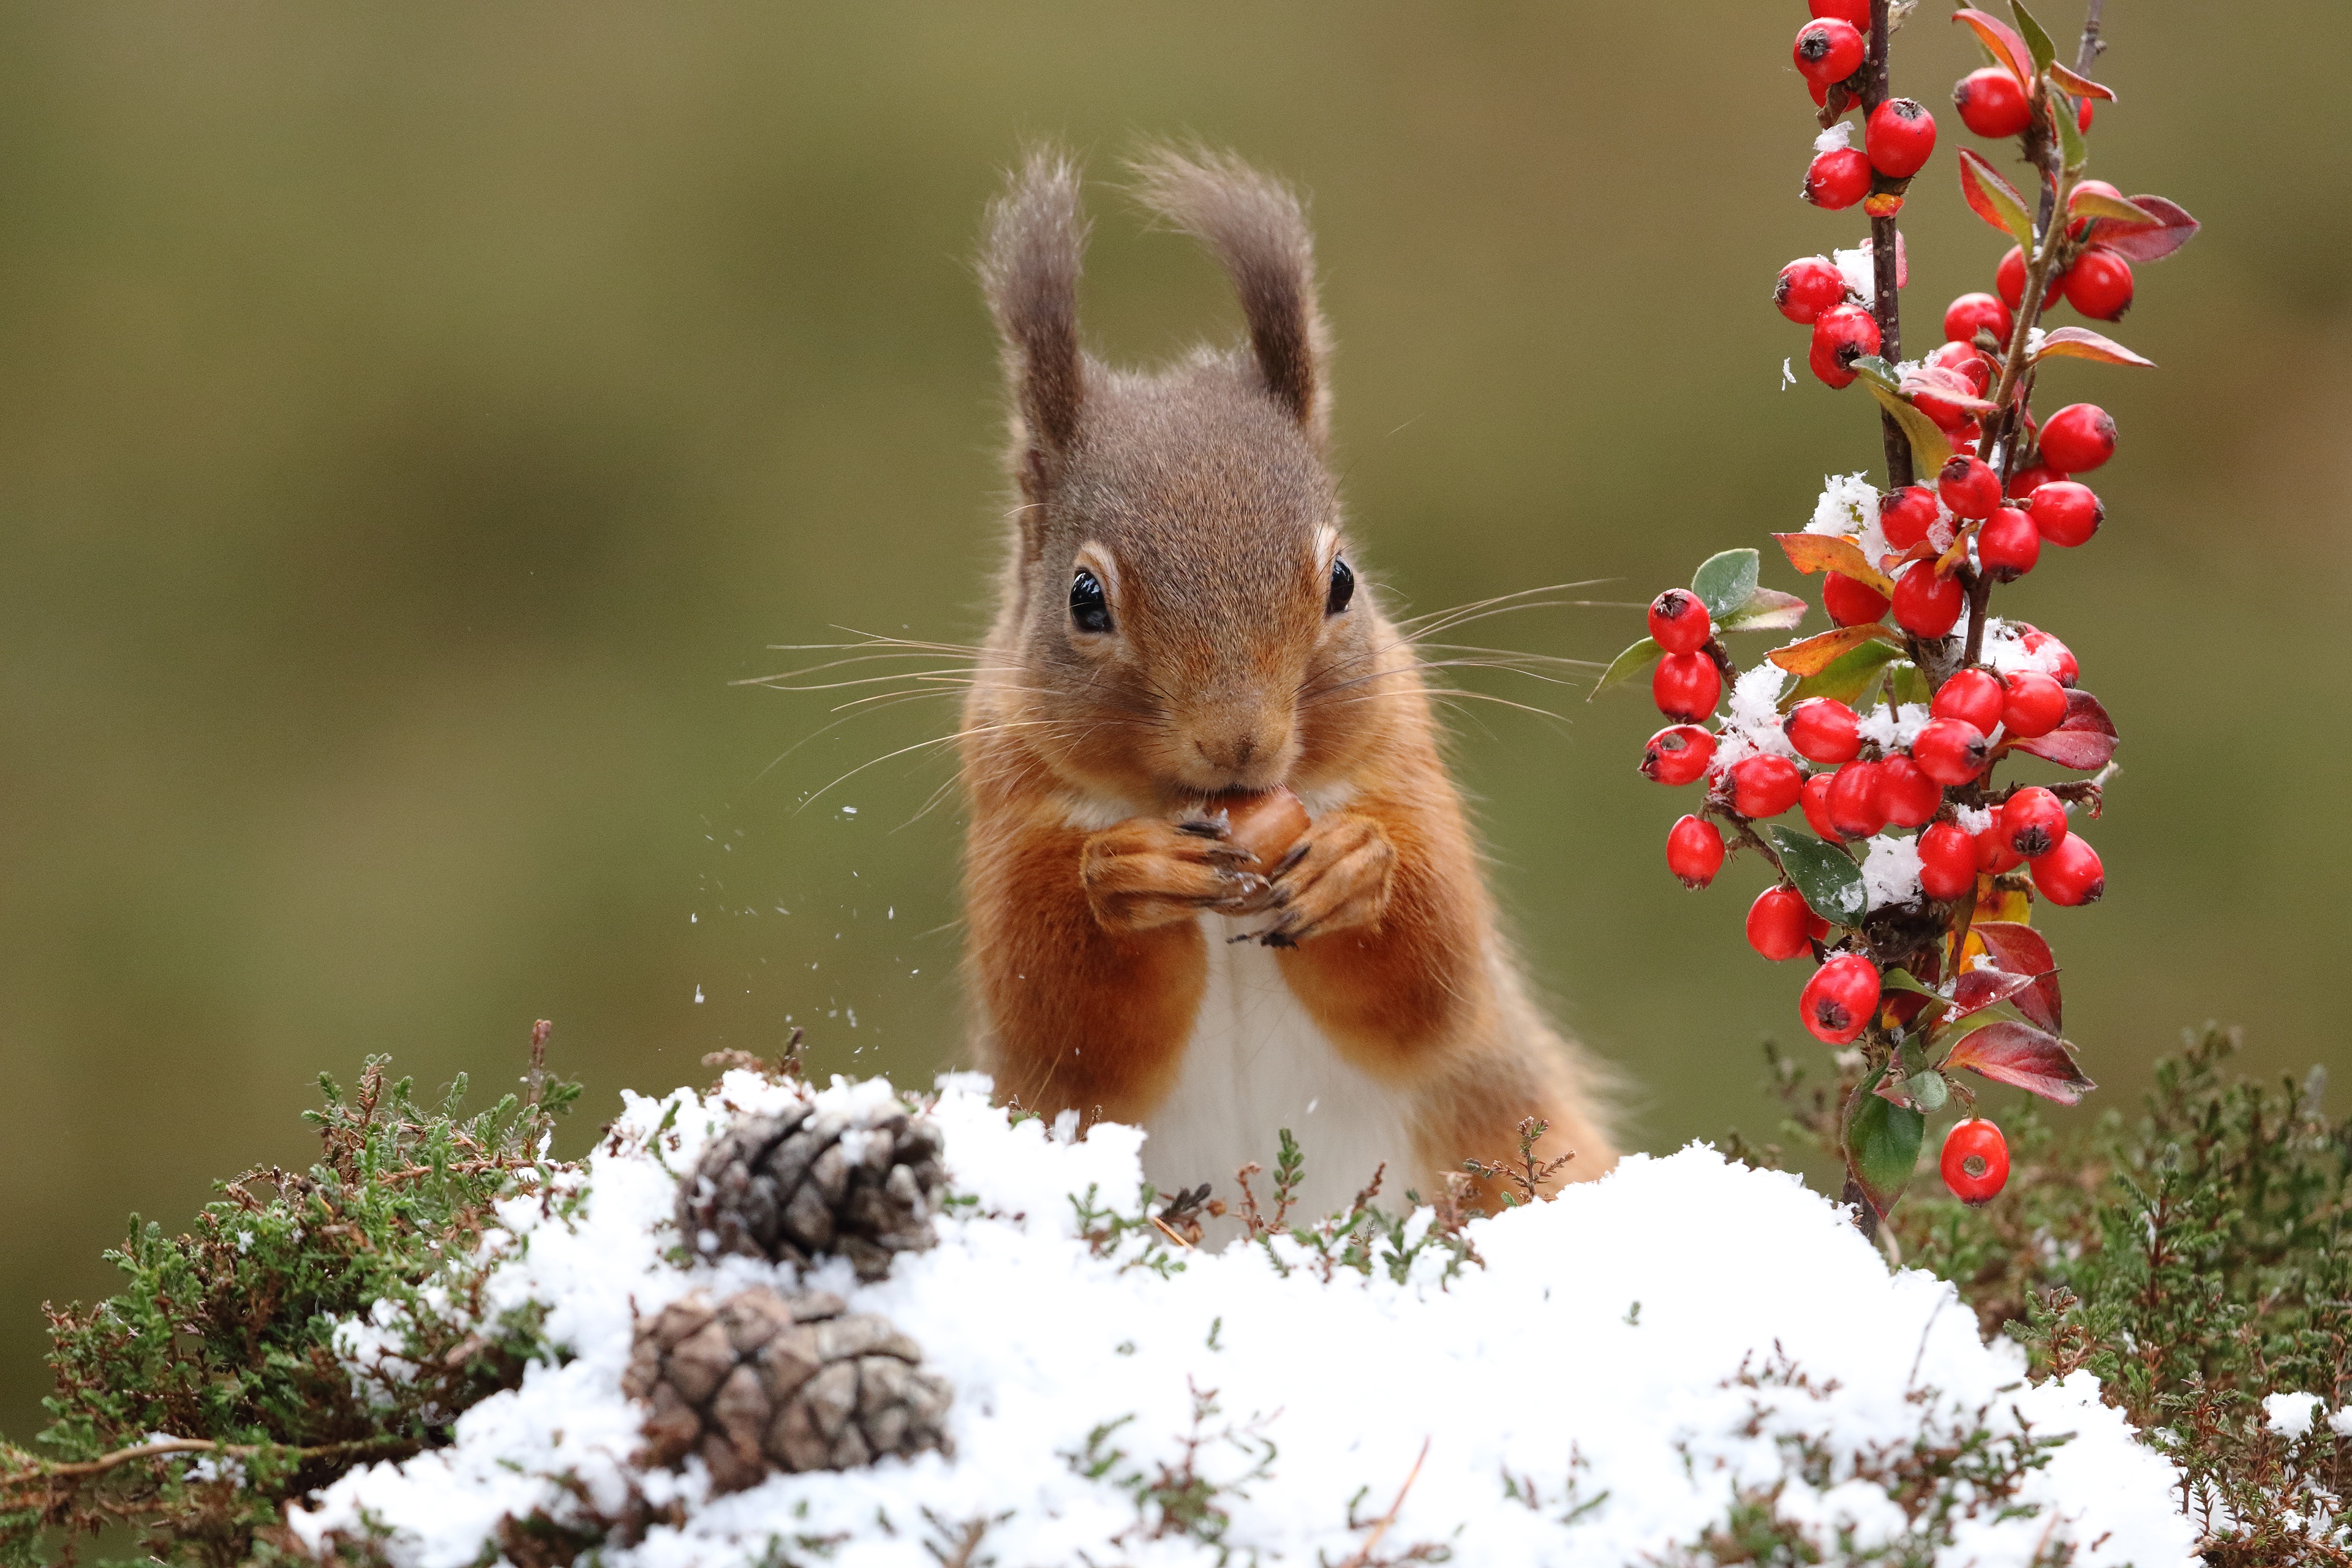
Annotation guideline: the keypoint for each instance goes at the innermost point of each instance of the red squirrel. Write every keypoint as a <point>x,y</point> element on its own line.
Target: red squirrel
<point>1177,622</point>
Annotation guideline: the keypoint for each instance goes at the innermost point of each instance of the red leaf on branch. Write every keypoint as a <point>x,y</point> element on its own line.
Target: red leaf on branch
<point>1946,386</point>
<point>1816,553</point>
<point>1979,989</point>
<point>2080,86</point>
<point>2085,738</point>
<point>1994,199</point>
<point>2001,41</point>
<point>2146,242</point>
<point>2080,342</point>
<point>2022,950</point>
<point>2023,1058</point>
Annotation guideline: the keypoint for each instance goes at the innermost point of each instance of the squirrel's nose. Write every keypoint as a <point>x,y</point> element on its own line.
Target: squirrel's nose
<point>1233,753</point>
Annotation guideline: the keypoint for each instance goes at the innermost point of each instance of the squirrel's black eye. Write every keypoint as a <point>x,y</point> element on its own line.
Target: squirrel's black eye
<point>1343,587</point>
<point>1089,610</point>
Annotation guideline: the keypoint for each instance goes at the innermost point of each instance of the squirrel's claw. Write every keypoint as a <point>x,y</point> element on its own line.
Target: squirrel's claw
<point>1334,879</point>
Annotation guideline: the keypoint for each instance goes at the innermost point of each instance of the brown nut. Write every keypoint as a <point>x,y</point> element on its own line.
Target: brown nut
<point>1267,822</point>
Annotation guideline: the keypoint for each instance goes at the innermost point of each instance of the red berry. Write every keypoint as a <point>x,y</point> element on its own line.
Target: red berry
<point>1828,50</point>
<point>1974,697</point>
<point>1967,437</point>
<point>2029,480</point>
<point>1909,796</point>
<point>2036,704</point>
<point>1855,12</point>
<point>1695,851</point>
<point>1927,605</point>
<point>2066,513</point>
<point>2033,822</point>
<point>2078,438</point>
<point>1679,622</point>
<point>1823,729</point>
<point>2008,545</point>
<point>1837,179</point>
<point>1966,359</point>
<point>1852,602</point>
<point>1991,103</point>
<point>1678,754</point>
<point>1947,861</point>
<point>1949,751</point>
<point>1968,486</point>
<point>1901,136</point>
<point>2036,642</point>
<point>1964,316</point>
<point>1687,686</point>
<point>2010,278</point>
<point>2071,873</point>
<point>1816,802</point>
<point>1807,286</point>
<point>1994,854</point>
<point>2083,116</point>
<point>1851,803</point>
<point>1777,923</point>
<point>1839,1000</point>
<point>1904,516</point>
<point>1764,786</point>
<point>1844,334</point>
<point>2100,285</point>
<point>1975,1162</point>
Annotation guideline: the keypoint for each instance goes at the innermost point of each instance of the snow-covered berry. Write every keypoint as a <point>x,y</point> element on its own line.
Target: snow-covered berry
<point>1837,179</point>
<point>1807,286</point>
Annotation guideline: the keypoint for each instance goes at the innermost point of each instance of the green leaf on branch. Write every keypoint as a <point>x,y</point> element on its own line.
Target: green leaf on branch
<point>2023,1058</point>
<point>2080,342</point>
<point>1848,678</point>
<point>1994,199</point>
<point>1909,684</point>
<point>1904,980</point>
<point>1724,582</point>
<point>1882,1144</point>
<point>2074,152</point>
<point>2037,42</point>
<point>1628,665</point>
<point>1812,553</point>
<point>1929,1091</point>
<point>2088,202</point>
<point>1930,448</point>
<point>1826,875</point>
<point>2001,42</point>
<point>1817,653</point>
<point>1766,610</point>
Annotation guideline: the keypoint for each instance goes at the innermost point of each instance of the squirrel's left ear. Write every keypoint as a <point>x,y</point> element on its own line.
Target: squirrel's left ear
<point>1255,226</point>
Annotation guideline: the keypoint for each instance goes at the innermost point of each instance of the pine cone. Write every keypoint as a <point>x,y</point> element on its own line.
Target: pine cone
<point>795,1187</point>
<point>767,1382</point>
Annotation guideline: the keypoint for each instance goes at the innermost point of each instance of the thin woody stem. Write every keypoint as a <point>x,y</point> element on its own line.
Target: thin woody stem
<point>1885,251</point>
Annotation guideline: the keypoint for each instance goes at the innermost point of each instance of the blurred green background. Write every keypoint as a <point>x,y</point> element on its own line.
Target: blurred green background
<point>413,419</point>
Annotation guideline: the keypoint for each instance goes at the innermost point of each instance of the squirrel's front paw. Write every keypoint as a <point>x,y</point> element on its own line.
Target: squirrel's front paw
<point>1335,878</point>
<point>1146,872</point>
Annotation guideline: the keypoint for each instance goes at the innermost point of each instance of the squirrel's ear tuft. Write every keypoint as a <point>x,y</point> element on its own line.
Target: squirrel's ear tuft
<point>1255,226</point>
<point>1029,267</point>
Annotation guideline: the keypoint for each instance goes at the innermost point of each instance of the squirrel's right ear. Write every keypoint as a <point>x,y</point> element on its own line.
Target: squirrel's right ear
<point>1029,267</point>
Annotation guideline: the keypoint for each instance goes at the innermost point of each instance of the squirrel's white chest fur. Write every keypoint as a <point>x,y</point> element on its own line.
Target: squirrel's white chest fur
<point>1256,1063</point>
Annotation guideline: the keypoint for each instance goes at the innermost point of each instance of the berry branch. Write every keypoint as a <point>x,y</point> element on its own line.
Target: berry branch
<point>1914,890</point>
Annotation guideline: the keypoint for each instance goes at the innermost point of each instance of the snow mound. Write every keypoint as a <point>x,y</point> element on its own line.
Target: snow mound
<point>1628,1361</point>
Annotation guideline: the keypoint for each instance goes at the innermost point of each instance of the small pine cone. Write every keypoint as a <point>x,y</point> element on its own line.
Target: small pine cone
<point>767,1382</point>
<point>798,1187</point>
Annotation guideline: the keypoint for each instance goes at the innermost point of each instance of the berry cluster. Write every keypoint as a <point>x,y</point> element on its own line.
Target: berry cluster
<point>1913,889</point>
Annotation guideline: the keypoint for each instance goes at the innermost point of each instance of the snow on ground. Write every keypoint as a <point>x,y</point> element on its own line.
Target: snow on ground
<point>1593,1361</point>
